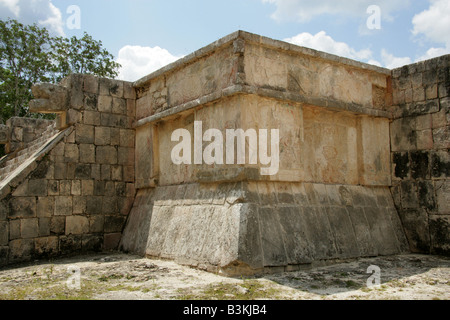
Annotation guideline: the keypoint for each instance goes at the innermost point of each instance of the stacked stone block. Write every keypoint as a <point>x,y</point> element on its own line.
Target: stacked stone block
<point>420,153</point>
<point>78,196</point>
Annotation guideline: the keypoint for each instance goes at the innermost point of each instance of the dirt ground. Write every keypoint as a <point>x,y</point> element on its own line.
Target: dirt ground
<point>116,276</point>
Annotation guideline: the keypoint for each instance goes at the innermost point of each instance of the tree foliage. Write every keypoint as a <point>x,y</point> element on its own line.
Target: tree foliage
<point>83,55</point>
<point>24,60</point>
<point>29,55</point>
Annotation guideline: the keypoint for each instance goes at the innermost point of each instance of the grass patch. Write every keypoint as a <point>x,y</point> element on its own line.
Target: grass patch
<point>352,284</point>
<point>248,290</point>
<point>366,289</point>
<point>123,287</point>
<point>47,286</point>
<point>110,277</point>
<point>50,289</point>
<point>396,284</point>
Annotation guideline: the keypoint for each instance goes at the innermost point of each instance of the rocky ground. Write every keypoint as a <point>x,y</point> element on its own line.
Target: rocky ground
<point>116,276</point>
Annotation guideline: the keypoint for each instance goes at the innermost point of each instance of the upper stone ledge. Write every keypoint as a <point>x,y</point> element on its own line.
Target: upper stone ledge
<point>247,63</point>
<point>265,41</point>
<point>282,45</point>
<point>188,59</point>
<point>263,92</point>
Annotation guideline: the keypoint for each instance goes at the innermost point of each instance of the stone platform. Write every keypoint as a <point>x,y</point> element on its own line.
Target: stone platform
<point>247,227</point>
<point>329,198</point>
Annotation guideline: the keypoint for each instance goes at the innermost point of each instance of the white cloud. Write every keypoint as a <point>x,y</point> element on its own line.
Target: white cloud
<point>305,10</point>
<point>11,6</point>
<point>391,62</point>
<point>53,21</point>
<point>375,63</point>
<point>323,42</point>
<point>138,61</point>
<point>42,12</point>
<point>433,53</point>
<point>434,23</point>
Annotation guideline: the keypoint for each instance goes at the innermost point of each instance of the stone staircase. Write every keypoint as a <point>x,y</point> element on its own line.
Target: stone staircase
<point>12,161</point>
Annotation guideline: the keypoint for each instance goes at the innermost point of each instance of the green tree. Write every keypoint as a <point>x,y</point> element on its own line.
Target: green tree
<point>29,55</point>
<point>24,60</point>
<point>84,55</point>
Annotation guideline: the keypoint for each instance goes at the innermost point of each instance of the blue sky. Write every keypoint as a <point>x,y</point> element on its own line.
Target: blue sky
<point>144,35</point>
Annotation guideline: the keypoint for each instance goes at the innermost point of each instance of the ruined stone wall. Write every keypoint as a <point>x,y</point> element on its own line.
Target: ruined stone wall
<point>76,194</point>
<point>420,144</point>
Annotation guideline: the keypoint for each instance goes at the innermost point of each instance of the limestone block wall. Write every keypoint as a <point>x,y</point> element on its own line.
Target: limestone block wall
<point>243,62</point>
<point>75,195</point>
<point>420,144</point>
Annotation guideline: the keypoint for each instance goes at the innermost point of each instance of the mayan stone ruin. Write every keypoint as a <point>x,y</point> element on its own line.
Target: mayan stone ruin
<point>362,170</point>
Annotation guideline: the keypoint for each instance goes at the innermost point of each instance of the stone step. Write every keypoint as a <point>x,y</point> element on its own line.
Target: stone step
<point>47,134</point>
<point>11,164</point>
<point>24,154</point>
<point>38,143</point>
<point>4,174</point>
<point>8,169</point>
